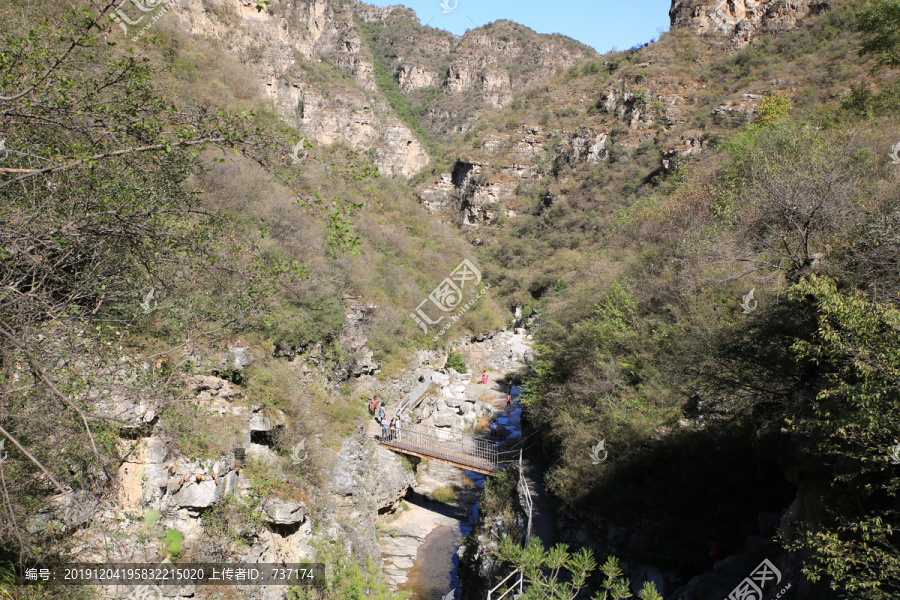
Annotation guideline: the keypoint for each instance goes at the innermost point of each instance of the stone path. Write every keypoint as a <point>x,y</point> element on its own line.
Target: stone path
<point>542,519</point>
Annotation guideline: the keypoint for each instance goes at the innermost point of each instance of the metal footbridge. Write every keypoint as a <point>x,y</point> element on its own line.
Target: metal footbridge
<point>470,452</point>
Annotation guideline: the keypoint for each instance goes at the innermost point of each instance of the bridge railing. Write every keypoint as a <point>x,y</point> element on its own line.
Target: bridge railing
<point>412,398</point>
<point>512,589</point>
<point>448,445</point>
<point>451,446</point>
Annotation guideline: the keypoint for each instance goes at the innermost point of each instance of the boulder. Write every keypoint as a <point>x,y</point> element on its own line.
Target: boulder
<point>469,420</point>
<point>196,495</point>
<point>447,420</point>
<point>454,402</point>
<point>157,450</point>
<point>239,356</point>
<point>284,512</point>
<point>260,422</point>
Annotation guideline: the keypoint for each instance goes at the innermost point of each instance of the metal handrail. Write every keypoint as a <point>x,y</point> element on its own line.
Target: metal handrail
<point>519,583</point>
<point>529,504</point>
<point>447,445</point>
<point>415,394</point>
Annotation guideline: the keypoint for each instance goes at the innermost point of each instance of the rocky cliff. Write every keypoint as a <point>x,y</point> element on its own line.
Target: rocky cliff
<point>739,22</point>
<point>312,62</point>
<point>649,108</point>
<point>453,80</point>
<point>212,464</point>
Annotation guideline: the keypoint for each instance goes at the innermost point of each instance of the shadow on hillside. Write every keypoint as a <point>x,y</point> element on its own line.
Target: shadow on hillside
<point>670,498</point>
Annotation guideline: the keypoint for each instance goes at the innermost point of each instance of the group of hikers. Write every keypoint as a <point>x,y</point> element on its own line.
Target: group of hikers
<point>390,430</point>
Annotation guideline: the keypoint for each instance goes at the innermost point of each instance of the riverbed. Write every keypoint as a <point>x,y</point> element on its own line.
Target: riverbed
<point>435,569</point>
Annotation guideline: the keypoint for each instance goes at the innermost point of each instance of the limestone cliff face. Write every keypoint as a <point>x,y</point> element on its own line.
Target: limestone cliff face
<point>465,76</point>
<point>277,43</point>
<point>486,57</point>
<point>741,21</point>
<point>484,189</point>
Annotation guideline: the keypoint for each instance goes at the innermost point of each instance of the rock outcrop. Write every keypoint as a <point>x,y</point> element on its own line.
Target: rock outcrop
<point>366,481</point>
<point>482,191</point>
<point>739,22</point>
<point>279,45</point>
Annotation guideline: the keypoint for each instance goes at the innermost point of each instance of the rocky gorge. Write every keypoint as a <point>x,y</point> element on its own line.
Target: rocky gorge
<point>297,175</point>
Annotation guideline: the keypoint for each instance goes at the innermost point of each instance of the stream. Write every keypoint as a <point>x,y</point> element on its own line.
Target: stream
<point>435,570</point>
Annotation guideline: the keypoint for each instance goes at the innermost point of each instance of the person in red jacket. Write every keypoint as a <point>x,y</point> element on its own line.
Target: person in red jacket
<point>483,377</point>
<point>715,551</point>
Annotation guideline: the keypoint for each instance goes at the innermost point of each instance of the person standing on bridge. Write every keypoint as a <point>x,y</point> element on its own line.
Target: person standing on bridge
<point>393,428</point>
<point>384,429</point>
<point>399,426</point>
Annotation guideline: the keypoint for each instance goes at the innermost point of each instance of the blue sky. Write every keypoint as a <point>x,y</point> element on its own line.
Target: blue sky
<point>601,24</point>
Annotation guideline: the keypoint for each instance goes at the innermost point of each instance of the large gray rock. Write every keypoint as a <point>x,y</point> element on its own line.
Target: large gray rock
<point>379,478</point>
<point>469,420</point>
<point>284,512</point>
<point>157,450</point>
<point>196,495</point>
<point>447,420</point>
<point>260,422</point>
<point>454,401</point>
<point>239,356</point>
<point>366,481</point>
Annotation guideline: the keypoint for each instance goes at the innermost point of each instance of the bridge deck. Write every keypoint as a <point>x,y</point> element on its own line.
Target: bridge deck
<point>454,459</point>
<point>463,451</point>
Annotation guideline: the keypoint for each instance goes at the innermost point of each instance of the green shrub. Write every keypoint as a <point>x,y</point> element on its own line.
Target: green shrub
<point>445,494</point>
<point>455,361</point>
<point>346,578</point>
